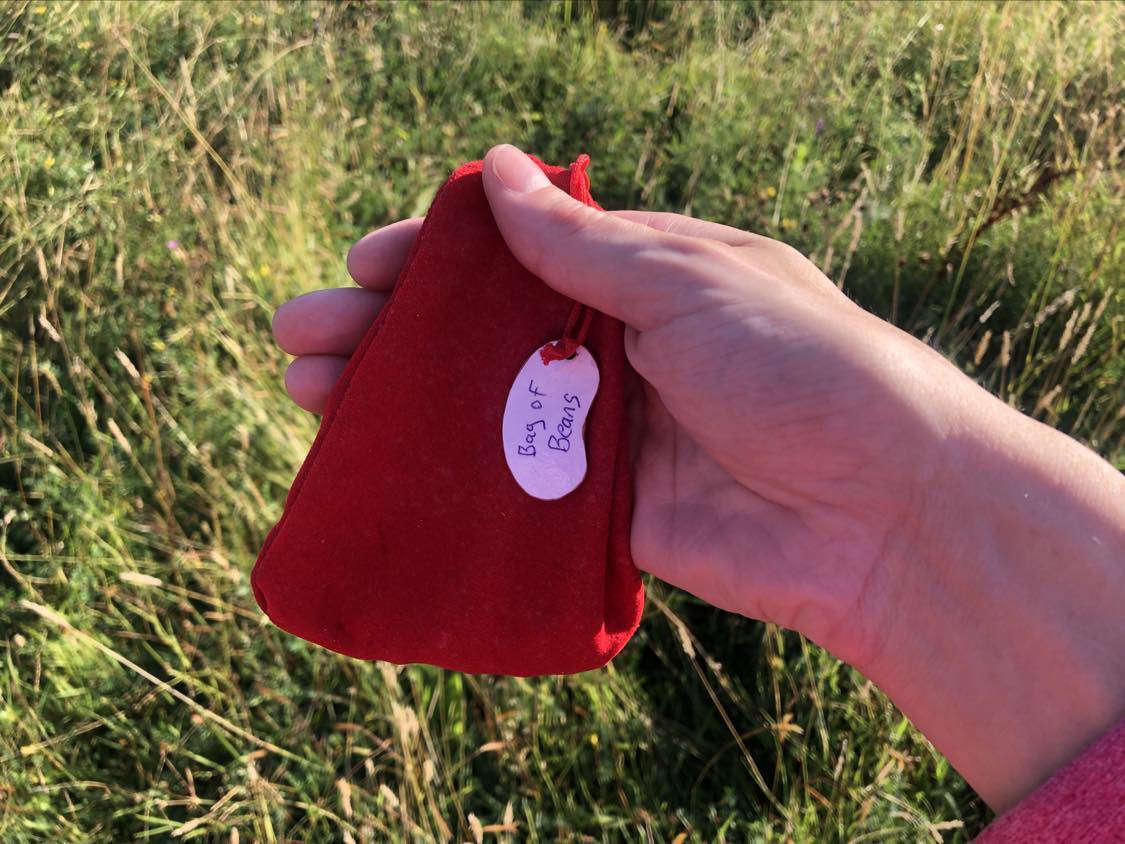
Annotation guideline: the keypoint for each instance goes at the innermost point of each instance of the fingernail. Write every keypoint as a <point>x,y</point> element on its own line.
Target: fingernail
<point>516,171</point>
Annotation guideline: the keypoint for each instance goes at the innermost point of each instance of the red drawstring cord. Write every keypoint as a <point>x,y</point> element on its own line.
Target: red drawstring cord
<point>578,323</point>
<point>571,339</point>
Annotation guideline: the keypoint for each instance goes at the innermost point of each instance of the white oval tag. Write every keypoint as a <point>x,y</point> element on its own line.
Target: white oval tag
<point>545,422</point>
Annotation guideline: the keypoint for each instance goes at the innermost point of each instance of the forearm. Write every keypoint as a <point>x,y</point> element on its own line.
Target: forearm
<point>1008,646</point>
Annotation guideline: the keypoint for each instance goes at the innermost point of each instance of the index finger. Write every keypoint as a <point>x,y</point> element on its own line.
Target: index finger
<point>376,259</point>
<point>666,221</point>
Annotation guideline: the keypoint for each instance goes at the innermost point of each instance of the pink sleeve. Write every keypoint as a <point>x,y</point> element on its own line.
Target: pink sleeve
<point>1085,801</point>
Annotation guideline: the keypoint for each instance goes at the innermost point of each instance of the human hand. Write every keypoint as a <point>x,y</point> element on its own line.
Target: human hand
<point>795,455</point>
<point>772,449</point>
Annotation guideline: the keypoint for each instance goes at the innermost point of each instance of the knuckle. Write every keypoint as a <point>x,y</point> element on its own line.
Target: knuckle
<point>569,217</point>
<point>790,253</point>
<point>703,252</point>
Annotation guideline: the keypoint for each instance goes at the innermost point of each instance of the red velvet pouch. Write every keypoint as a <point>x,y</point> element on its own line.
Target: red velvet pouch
<point>405,536</point>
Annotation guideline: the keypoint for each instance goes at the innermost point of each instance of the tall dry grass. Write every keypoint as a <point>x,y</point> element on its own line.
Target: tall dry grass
<point>171,172</point>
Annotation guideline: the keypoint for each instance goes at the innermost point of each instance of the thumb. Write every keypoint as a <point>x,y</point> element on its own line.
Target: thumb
<point>640,275</point>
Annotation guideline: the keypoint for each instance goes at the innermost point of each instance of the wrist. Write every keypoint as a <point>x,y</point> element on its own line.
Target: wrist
<point>1003,637</point>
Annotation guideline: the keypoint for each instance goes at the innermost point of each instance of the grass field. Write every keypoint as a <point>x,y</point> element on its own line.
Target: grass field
<point>170,173</point>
